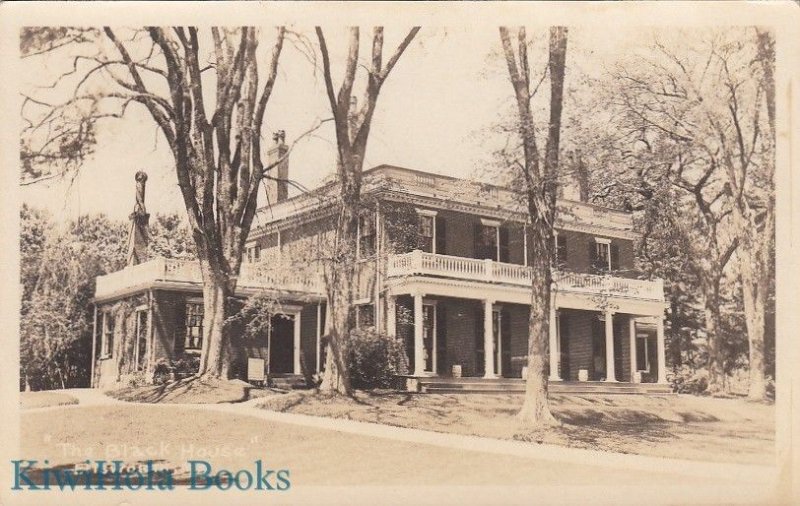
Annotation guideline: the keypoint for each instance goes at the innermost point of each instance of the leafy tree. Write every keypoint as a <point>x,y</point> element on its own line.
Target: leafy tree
<point>210,115</point>
<point>56,325</point>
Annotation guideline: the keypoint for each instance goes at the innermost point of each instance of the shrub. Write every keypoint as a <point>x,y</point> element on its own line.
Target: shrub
<point>168,370</point>
<point>375,359</point>
<point>686,380</point>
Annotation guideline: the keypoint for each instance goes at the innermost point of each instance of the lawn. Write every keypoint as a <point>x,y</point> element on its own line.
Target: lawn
<point>31,400</point>
<point>192,390</point>
<point>174,434</point>
<point>687,427</point>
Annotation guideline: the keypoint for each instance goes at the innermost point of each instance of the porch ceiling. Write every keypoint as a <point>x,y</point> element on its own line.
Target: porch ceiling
<point>498,292</point>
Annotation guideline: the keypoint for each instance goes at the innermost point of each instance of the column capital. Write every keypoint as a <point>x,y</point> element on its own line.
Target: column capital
<point>489,301</point>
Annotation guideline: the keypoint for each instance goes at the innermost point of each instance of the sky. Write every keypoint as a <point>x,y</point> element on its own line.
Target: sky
<point>436,113</point>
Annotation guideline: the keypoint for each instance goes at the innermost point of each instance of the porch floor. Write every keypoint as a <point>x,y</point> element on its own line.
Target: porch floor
<point>517,385</point>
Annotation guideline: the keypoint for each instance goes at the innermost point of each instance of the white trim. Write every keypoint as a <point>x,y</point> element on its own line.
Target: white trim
<point>602,240</point>
<point>426,212</point>
<point>490,223</point>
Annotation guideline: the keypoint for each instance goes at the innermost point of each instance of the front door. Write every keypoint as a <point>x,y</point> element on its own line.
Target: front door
<point>281,345</point>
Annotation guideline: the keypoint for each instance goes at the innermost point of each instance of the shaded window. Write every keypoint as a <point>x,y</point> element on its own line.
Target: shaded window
<point>141,339</point>
<point>194,326</point>
<point>366,236</point>
<point>486,241</point>
<point>600,256</point>
<point>425,228</point>
<point>107,344</point>
<point>253,253</point>
<point>366,315</point>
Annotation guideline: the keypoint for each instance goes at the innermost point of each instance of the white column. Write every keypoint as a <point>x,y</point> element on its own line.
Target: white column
<point>419,351</point>
<point>488,340</point>
<point>610,372</point>
<point>662,355</point>
<point>633,348</point>
<point>525,245</point>
<point>296,365</point>
<point>391,315</point>
<point>554,355</point>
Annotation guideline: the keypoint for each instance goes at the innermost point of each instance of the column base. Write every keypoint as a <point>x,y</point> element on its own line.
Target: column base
<point>490,376</point>
<point>554,378</point>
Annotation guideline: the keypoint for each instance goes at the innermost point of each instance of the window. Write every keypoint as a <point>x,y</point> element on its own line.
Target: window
<point>253,253</point>
<point>601,261</point>
<point>366,236</point>
<point>426,227</point>
<point>486,241</point>
<point>107,342</point>
<point>194,327</point>
<point>141,339</point>
<point>366,315</point>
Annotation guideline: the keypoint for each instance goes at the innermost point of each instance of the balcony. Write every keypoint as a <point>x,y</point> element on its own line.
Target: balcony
<point>418,263</point>
<point>166,273</point>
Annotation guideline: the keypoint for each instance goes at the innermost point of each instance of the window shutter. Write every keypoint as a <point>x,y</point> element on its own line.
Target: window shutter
<point>441,236</point>
<point>477,242</point>
<point>592,256</point>
<point>504,257</point>
<point>561,250</point>
<point>614,257</point>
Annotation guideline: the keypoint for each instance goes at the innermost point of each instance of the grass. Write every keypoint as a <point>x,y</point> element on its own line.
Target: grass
<point>687,427</point>
<point>192,390</point>
<point>31,400</point>
<point>174,434</point>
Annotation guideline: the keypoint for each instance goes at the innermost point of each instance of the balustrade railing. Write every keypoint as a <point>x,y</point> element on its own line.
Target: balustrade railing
<point>446,266</point>
<point>254,276</point>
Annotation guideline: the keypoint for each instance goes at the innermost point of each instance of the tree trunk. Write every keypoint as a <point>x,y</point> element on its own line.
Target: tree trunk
<point>340,274</point>
<point>754,291</point>
<point>716,372</point>
<point>215,360</point>
<point>535,410</point>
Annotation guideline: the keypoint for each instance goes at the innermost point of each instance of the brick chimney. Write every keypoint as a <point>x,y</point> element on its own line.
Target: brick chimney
<point>278,185</point>
<point>138,237</point>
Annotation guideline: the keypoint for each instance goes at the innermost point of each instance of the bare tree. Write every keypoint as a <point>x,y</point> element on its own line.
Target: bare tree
<point>217,150</point>
<point>352,133</point>
<point>541,191</point>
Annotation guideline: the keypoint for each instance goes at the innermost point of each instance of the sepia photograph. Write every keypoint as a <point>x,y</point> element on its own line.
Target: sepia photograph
<point>364,253</point>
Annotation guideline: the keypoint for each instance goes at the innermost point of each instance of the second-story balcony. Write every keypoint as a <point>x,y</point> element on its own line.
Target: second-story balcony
<point>418,263</point>
<point>169,274</point>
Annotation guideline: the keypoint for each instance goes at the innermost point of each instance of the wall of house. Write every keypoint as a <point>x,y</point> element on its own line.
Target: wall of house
<point>121,361</point>
<point>576,327</point>
<point>578,257</point>
<point>459,230</point>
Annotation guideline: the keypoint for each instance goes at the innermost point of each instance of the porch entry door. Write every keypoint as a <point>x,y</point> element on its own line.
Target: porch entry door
<point>281,344</point>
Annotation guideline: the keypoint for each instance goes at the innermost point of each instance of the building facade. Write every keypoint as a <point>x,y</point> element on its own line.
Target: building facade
<point>442,264</point>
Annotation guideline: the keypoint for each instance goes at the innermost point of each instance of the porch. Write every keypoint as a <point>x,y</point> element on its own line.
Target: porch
<point>463,344</point>
<point>441,385</point>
